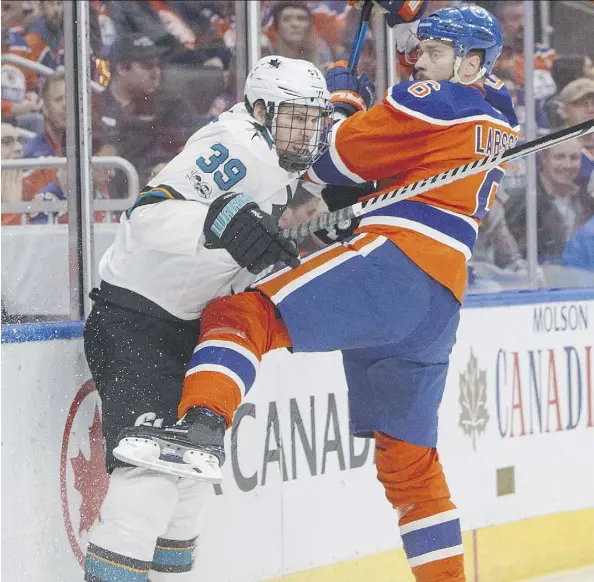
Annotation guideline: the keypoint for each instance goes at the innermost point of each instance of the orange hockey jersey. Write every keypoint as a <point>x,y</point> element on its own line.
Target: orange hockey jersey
<point>419,130</point>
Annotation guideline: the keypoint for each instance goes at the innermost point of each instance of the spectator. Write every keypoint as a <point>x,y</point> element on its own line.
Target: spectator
<point>562,205</point>
<point>295,38</point>
<point>329,20</point>
<point>50,142</point>
<point>568,68</point>
<point>19,105</point>
<point>55,190</point>
<point>576,106</point>
<point>164,26</point>
<point>579,251</point>
<point>228,97</point>
<point>212,23</point>
<point>510,64</point>
<point>45,37</point>
<point>184,29</point>
<point>12,180</point>
<point>220,14</point>
<point>51,192</point>
<point>133,106</point>
<point>14,15</point>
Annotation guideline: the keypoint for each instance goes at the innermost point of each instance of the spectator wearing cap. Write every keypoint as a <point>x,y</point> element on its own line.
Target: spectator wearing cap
<point>565,69</point>
<point>576,105</point>
<point>134,105</point>
<point>135,65</point>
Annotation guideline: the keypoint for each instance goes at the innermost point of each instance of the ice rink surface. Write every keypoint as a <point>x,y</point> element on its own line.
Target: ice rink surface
<point>582,575</point>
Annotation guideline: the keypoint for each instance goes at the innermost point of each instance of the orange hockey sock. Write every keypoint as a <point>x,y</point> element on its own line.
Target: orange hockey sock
<point>235,332</point>
<point>416,487</point>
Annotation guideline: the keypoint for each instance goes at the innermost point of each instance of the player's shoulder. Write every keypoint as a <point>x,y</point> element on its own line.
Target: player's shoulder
<point>443,102</point>
<point>237,130</point>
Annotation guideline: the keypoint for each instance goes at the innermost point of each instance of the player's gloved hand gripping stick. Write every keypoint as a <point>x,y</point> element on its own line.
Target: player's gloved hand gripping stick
<point>234,222</point>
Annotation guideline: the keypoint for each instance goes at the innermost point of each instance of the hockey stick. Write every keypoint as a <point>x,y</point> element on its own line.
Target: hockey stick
<point>360,36</point>
<point>403,193</point>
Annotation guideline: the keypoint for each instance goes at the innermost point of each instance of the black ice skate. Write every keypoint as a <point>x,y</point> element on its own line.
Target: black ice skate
<point>193,448</point>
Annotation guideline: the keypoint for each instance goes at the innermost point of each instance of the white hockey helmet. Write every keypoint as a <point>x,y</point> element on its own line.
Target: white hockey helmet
<point>280,81</point>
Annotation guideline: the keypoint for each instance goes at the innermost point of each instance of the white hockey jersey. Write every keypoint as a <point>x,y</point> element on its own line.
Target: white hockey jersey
<point>158,250</point>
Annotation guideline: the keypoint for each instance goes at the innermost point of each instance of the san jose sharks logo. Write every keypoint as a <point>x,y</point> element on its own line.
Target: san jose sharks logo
<point>261,131</point>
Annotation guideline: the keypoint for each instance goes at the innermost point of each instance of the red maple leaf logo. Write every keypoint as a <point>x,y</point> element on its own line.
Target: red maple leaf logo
<point>90,477</point>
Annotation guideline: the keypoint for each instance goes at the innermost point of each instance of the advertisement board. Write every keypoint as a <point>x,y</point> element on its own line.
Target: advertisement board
<point>516,425</point>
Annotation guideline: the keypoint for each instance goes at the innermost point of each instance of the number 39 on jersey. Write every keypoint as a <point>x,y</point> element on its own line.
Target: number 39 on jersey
<point>227,172</point>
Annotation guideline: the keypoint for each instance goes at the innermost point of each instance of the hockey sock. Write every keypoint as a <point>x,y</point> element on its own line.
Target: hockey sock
<point>235,332</point>
<point>137,509</point>
<point>174,555</point>
<point>101,565</point>
<point>416,487</point>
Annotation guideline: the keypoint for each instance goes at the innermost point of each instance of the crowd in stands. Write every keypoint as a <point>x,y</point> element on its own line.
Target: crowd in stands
<point>164,68</point>
<point>564,95</point>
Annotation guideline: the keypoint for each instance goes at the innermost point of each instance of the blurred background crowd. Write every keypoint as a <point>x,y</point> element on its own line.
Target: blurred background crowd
<point>161,69</point>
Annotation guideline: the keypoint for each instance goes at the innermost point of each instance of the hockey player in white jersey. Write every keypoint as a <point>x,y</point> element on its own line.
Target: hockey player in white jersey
<point>204,227</point>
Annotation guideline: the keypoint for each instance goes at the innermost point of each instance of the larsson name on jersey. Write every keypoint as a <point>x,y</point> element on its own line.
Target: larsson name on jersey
<point>493,141</point>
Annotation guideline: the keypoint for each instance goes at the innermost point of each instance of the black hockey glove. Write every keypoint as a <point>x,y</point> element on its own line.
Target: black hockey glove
<point>337,197</point>
<point>234,222</point>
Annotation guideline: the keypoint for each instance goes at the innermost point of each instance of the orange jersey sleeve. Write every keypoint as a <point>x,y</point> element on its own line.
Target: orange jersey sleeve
<point>420,130</point>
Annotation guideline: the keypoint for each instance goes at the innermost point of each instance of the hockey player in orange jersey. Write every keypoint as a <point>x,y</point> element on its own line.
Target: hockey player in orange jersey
<point>388,296</point>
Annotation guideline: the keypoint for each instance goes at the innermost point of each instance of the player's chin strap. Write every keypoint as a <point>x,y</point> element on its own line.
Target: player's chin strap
<point>269,119</point>
<point>456,78</point>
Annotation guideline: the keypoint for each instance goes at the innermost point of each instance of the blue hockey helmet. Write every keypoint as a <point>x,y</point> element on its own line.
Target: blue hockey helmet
<point>467,28</point>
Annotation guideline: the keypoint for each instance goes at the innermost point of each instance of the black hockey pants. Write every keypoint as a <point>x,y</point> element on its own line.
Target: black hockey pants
<point>138,355</point>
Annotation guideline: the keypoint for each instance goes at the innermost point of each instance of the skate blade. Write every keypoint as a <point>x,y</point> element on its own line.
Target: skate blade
<point>146,453</point>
